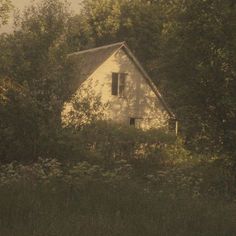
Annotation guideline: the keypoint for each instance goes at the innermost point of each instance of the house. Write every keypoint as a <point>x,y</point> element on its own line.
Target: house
<point>113,74</point>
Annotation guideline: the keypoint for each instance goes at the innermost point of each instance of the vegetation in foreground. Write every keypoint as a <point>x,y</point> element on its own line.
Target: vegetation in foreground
<point>48,198</point>
<point>162,191</point>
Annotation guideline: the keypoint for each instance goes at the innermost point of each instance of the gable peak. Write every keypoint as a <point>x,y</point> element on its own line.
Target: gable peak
<point>104,47</point>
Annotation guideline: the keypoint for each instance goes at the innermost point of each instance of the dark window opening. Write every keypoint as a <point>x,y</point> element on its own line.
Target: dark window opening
<point>132,122</point>
<point>115,84</point>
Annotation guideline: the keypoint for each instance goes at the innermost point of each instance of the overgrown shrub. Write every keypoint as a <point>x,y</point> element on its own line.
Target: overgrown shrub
<point>104,141</point>
<point>198,180</point>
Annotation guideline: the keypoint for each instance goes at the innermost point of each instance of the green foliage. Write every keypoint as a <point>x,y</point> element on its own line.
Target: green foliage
<point>83,110</point>
<point>197,181</point>
<point>197,70</point>
<point>64,198</point>
<point>5,8</point>
<point>17,142</point>
<point>104,141</point>
<point>34,58</point>
<point>136,22</point>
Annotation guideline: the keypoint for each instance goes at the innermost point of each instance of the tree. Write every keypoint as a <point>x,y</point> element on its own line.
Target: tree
<point>34,57</point>
<point>20,122</point>
<point>198,70</point>
<point>5,8</point>
<point>35,54</point>
<point>137,22</point>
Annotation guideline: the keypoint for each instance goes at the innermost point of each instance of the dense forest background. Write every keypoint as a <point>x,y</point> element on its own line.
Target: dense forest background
<point>188,48</point>
<point>105,179</point>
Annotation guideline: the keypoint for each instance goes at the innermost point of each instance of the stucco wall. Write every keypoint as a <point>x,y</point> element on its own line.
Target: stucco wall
<point>139,100</point>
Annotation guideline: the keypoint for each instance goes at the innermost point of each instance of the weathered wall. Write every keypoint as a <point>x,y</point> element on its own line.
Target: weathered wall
<point>139,101</point>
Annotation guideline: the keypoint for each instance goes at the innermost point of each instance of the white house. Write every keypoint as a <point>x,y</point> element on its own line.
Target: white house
<point>113,74</point>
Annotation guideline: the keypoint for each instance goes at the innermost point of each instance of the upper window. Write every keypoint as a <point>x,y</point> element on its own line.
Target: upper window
<point>118,84</point>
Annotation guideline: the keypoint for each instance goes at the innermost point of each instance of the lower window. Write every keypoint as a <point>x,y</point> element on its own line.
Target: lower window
<point>132,121</point>
<point>136,122</point>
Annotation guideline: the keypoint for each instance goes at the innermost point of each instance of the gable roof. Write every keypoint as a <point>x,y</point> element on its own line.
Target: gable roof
<point>87,61</point>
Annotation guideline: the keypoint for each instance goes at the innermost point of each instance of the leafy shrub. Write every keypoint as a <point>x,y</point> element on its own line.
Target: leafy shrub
<point>107,141</point>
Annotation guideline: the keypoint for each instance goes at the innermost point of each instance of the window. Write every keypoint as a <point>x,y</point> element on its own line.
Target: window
<point>115,78</point>
<point>132,121</point>
<point>118,84</point>
<point>136,122</point>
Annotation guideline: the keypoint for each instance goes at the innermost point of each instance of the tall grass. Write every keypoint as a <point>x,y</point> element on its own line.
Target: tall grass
<point>49,199</point>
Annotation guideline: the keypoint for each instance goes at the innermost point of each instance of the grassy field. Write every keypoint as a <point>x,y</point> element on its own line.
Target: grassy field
<point>103,212</point>
<point>78,203</point>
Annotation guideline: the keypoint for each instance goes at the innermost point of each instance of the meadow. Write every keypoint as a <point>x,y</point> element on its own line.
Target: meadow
<point>125,197</point>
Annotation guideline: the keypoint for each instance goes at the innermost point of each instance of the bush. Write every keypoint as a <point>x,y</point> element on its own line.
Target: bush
<point>109,142</point>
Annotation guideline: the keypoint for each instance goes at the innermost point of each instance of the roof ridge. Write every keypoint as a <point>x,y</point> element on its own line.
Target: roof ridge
<point>97,48</point>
